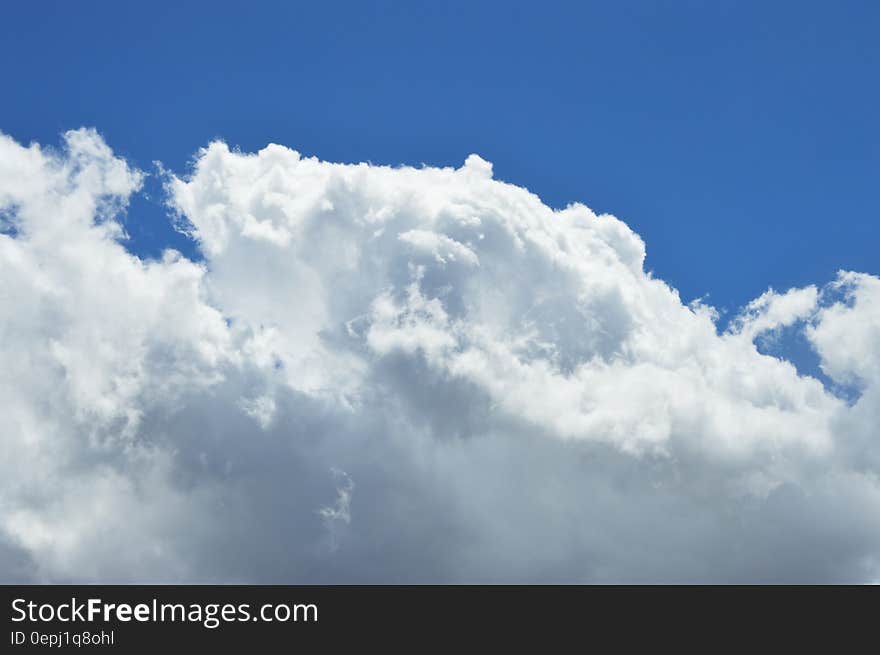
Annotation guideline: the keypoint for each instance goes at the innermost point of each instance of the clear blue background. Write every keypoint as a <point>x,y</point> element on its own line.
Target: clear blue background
<point>740,139</point>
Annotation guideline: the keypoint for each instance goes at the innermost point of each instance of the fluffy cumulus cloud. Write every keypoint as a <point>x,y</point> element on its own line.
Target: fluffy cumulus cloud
<point>385,374</point>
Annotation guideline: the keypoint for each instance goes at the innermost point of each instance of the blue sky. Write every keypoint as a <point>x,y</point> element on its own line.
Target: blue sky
<point>740,139</point>
<point>422,375</point>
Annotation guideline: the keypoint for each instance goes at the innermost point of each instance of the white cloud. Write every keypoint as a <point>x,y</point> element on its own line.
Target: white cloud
<point>847,334</point>
<point>771,311</point>
<point>517,399</point>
